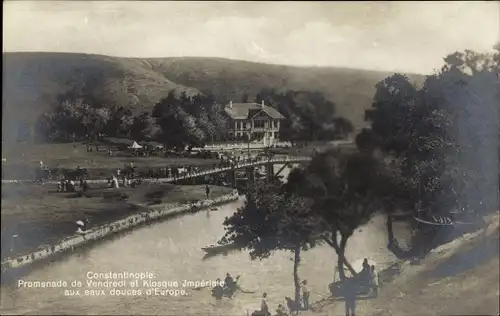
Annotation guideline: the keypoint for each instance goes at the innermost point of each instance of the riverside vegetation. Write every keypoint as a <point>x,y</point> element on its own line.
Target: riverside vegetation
<point>421,152</point>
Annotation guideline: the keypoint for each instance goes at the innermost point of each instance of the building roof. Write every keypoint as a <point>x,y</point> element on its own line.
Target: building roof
<point>241,111</point>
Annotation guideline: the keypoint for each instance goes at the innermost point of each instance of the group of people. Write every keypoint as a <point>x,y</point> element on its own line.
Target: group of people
<point>234,159</point>
<point>144,151</point>
<point>65,185</point>
<point>128,176</point>
<point>225,160</point>
<point>69,186</point>
<point>291,305</point>
<point>350,287</point>
<point>89,148</point>
<point>368,275</point>
<point>227,288</point>
<point>173,172</point>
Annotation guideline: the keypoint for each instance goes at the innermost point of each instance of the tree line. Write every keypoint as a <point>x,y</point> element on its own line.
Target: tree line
<point>175,121</point>
<point>181,120</point>
<point>309,115</point>
<point>434,147</point>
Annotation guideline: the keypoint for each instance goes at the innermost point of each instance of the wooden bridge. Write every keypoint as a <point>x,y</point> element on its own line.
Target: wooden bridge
<point>230,170</point>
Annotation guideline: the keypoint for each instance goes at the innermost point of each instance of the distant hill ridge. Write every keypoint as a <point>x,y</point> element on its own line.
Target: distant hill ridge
<point>32,81</point>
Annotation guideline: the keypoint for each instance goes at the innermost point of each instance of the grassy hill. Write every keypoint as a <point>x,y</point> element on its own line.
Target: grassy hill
<point>32,81</point>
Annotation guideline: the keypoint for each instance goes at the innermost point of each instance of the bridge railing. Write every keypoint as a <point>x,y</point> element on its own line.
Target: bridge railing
<point>244,145</point>
<point>244,164</point>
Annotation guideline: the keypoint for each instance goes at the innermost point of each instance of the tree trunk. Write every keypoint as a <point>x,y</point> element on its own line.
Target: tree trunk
<point>340,251</point>
<point>296,281</point>
<point>390,232</point>
<point>340,264</point>
<point>393,245</point>
<point>341,260</point>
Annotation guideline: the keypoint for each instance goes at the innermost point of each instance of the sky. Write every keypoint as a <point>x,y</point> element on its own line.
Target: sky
<point>389,36</point>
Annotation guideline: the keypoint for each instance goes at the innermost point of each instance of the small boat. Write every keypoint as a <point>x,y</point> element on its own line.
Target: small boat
<point>215,249</point>
<point>212,209</point>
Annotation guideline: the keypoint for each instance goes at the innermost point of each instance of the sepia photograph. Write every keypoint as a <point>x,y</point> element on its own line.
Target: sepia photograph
<point>250,158</point>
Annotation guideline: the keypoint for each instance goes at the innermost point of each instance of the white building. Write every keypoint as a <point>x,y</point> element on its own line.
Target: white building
<point>253,121</point>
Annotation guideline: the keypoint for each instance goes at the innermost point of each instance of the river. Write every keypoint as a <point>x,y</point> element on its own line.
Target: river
<point>171,250</point>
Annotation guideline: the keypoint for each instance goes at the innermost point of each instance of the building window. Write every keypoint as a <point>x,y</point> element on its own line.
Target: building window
<point>275,124</point>
<point>258,124</point>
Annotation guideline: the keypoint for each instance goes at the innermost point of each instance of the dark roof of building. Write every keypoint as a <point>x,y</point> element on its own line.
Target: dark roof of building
<point>242,111</point>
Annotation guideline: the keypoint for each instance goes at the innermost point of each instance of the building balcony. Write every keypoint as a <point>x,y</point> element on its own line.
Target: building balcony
<point>263,129</point>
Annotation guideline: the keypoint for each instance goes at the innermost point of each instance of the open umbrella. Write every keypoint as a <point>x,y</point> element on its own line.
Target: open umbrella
<point>135,146</point>
<point>80,223</point>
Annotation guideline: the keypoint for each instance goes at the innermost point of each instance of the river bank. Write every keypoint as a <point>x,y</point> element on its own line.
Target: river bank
<point>172,250</point>
<point>34,217</point>
<point>457,278</point>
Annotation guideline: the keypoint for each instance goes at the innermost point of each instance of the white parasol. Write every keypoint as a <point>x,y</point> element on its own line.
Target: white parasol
<point>135,146</point>
<point>81,223</point>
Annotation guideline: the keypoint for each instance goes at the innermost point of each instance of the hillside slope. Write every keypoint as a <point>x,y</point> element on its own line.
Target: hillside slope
<point>32,81</point>
<point>351,90</point>
<point>458,278</point>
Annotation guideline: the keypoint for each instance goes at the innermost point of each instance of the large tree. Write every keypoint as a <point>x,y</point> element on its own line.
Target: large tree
<point>179,128</point>
<point>270,221</point>
<point>339,188</point>
<point>144,127</point>
<point>189,121</point>
<point>309,115</point>
<point>345,202</point>
<point>436,133</point>
<point>119,122</point>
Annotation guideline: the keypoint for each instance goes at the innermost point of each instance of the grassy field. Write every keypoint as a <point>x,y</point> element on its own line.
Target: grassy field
<point>39,215</point>
<point>67,156</point>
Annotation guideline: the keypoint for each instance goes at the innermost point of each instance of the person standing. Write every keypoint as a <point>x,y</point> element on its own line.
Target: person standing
<point>305,295</point>
<point>292,305</point>
<point>280,311</point>
<point>364,275</point>
<point>207,191</point>
<point>218,292</point>
<point>264,309</point>
<point>349,289</point>
<point>374,276</point>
